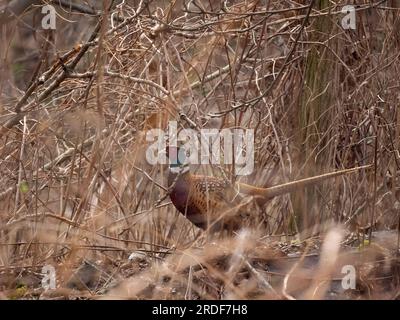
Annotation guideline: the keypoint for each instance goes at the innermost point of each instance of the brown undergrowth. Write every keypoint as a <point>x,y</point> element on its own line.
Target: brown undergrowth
<point>76,191</point>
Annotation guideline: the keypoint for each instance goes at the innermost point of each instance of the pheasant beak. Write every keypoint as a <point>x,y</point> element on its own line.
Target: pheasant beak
<point>172,154</point>
<point>176,156</point>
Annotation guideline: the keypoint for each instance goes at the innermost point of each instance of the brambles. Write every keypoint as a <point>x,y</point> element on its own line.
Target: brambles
<point>75,186</point>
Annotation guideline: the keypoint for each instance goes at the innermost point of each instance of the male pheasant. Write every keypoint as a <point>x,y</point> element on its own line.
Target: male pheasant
<point>211,202</point>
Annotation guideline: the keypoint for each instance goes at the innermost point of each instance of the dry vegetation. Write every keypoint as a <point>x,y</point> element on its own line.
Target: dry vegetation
<point>77,193</point>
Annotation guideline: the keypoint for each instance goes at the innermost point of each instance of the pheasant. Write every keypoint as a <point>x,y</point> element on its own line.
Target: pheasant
<point>214,203</point>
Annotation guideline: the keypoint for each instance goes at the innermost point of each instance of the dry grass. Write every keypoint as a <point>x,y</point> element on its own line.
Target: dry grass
<point>77,193</point>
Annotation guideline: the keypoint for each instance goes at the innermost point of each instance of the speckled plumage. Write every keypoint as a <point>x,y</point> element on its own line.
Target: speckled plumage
<point>203,199</point>
<point>213,202</point>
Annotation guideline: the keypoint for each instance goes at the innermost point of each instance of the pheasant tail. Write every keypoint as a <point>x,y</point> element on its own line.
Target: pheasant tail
<point>271,192</point>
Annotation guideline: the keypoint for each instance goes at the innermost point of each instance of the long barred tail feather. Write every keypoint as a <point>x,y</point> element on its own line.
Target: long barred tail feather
<point>271,192</point>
